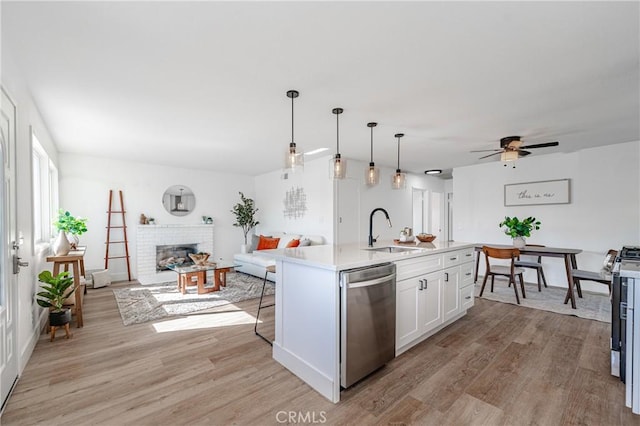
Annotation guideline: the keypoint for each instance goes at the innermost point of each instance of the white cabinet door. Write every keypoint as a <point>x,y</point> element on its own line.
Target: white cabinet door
<point>408,325</point>
<point>450,295</point>
<point>430,296</point>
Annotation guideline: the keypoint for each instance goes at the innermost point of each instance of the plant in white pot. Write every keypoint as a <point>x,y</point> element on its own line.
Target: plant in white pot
<point>518,229</point>
<point>245,213</point>
<point>54,292</point>
<point>69,228</point>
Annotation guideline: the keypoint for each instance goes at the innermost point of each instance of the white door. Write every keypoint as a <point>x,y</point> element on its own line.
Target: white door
<point>8,249</point>
<point>436,214</point>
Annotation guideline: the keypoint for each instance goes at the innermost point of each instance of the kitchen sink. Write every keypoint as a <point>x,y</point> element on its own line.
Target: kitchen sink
<point>393,249</point>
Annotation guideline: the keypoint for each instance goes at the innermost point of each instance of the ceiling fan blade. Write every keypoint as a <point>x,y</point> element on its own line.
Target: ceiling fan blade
<point>522,153</point>
<point>486,150</point>
<point>540,145</point>
<point>490,155</point>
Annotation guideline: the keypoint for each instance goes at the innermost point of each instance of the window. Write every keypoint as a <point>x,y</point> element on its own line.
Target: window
<point>45,192</point>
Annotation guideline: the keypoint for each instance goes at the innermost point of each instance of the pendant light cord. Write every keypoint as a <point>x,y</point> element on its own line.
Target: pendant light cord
<point>371,144</point>
<point>292,139</point>
<point>398,153</point>
<point>338,134</point>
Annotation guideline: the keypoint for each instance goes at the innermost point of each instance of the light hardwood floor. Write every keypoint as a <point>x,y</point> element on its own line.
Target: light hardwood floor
<point>501,364</point>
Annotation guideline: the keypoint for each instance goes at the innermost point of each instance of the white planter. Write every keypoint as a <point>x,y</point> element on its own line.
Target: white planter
<point>519,242</point>
<point>61,246</point>
<point>243,248</point>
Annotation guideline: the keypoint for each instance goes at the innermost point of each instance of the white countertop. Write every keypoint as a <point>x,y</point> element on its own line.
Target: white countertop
<point>348,256</point>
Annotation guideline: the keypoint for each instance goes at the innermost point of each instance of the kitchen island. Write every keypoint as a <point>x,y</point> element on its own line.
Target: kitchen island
<point>434,287</point>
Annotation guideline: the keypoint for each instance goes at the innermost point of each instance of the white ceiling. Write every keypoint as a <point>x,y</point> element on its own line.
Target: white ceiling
<point>202,84</point>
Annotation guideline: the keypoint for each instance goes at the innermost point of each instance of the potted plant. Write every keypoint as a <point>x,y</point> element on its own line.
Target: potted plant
<point>69,228</point>
<point>245,212</point>
<point>53,294</point>
<point>518,229</point>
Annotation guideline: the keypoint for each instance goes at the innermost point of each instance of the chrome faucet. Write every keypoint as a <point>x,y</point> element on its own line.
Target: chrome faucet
<point>371,239</point>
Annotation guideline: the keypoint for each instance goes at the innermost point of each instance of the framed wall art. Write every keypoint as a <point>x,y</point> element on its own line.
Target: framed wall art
<point>535,193</point>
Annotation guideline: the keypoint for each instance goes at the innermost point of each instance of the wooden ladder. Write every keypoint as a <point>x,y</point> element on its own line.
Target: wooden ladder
<point>124,240</point>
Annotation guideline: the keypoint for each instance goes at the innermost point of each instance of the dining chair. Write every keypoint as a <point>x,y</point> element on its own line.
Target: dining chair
<point>507,271</point>
<point>603,276</point>
<point>531,264</point>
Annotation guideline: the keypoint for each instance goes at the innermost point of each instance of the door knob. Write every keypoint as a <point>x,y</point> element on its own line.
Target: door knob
<point>18,263</point>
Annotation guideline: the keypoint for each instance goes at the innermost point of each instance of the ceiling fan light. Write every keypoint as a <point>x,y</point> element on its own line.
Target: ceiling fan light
<point>509,156</point>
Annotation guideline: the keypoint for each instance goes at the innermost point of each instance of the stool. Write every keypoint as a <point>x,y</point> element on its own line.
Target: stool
<point>271,269</point>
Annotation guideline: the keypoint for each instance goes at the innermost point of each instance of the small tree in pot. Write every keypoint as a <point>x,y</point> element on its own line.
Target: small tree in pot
<point>53,294</point>
<point>245,212</point>
<point>72,226</point>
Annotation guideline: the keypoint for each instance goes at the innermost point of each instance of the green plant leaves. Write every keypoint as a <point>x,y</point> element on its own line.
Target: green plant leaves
<point>515,227</point>
<point>70,224</point>
<point>245,215</point>
<point>54,290</point>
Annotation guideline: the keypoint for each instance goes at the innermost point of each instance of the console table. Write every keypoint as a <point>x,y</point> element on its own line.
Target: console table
<point>75,259</point>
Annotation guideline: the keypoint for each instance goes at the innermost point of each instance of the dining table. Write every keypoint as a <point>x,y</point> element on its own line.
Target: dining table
<point>568,254</point>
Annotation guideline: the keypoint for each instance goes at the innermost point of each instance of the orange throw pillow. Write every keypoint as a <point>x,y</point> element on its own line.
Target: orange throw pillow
<point>293,243</point>
<point>267,243</point>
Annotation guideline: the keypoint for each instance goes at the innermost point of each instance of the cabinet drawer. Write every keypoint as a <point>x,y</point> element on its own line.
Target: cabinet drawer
<point>452,258</point>
<point>418,266</point>
<point>466,255</point>
<point>466,297</point>
<point>466,274</point>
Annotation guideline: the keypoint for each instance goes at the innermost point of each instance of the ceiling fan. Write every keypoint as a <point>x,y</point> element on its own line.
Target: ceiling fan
<point>511,148</point>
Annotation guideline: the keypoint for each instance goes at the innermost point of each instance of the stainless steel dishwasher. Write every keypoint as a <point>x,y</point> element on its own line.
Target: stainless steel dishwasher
<point>367,321</point>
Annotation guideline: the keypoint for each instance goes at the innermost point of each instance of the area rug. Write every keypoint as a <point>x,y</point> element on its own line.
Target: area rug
<point>590,306</point>
<point>144,303</point>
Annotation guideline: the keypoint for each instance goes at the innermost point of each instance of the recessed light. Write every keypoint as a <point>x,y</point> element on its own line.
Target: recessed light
<point>433,172</point>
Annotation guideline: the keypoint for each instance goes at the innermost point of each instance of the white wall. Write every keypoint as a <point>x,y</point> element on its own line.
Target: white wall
<point>604,212</point>
<point>85,182</point>
<point>270,192</point>
<point>30,315</point>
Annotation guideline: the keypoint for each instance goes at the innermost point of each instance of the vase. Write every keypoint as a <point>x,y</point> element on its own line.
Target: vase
<point>73,241</point>
<point>58,318</point>
<point>243,248</point>
<point>519,242</point>
<point>61,246</point>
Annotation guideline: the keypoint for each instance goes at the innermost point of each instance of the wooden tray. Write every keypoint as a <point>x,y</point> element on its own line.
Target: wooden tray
<point>405,243</point>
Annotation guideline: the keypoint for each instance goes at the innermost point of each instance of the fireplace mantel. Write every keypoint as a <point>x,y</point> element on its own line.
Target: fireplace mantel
<point>150,236</point>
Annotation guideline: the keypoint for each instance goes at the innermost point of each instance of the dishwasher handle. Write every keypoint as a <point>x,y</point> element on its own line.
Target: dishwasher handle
<point>372,282</point>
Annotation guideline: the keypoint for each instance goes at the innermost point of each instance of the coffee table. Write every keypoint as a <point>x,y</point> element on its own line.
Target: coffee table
<point>188,274</point>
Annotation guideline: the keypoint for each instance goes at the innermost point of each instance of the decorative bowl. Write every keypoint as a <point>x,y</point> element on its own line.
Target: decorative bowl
<point>200,259</point>
<point>425,238</point>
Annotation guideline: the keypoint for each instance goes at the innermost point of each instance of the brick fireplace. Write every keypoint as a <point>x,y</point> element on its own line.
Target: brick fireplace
<point>149,237</point>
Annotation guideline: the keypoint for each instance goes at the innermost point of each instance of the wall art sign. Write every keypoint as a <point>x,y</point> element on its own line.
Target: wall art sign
<point>295,203</point>
<point>535,193</point>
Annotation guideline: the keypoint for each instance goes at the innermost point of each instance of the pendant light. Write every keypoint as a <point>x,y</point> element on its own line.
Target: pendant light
<point>293,160</point>
<point>338,164</point>
<point>372,173</point>
<point>399,179</point>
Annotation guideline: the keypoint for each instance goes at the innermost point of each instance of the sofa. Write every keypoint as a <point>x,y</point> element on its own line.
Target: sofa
<point>253,263</point>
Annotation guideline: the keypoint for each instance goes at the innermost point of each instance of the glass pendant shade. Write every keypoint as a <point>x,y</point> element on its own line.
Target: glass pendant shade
<point>399,179</point>
<point>293,160</point>
<point>371,173</point>
<point>338,167</point>
<point>338,164</point>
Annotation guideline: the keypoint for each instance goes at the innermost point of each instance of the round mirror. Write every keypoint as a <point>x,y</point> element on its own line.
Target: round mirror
<point>179,200</point>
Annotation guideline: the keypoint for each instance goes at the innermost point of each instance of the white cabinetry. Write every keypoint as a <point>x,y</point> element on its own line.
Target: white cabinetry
<point>430,292</point>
